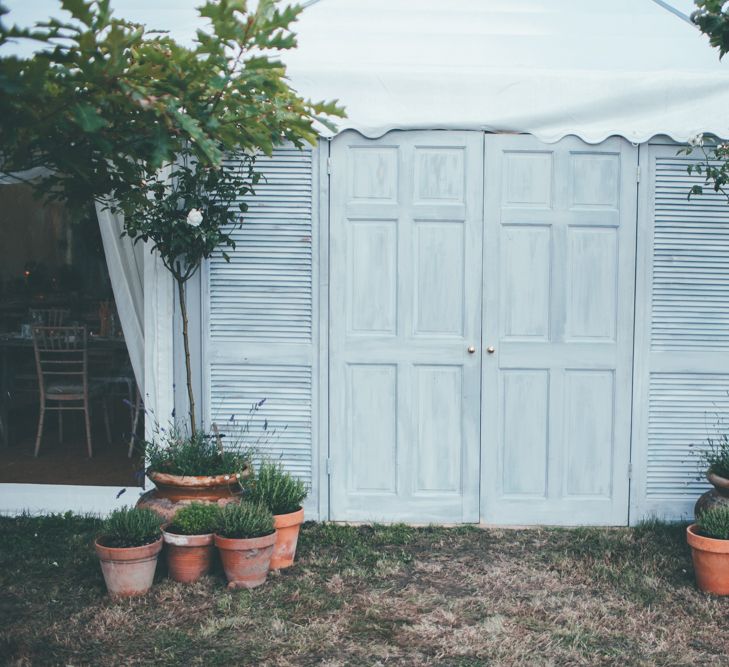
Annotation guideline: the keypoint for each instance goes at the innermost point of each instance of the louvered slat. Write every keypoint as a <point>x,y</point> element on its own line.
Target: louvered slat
<point>264,292</point>
<point>281,428</point>
<point>690,263</point>
<point>684,410</point>
<point>690,313</point>
<point>263,295</point>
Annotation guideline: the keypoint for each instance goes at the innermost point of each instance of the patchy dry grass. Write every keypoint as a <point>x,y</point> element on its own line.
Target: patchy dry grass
<point>373,595</point>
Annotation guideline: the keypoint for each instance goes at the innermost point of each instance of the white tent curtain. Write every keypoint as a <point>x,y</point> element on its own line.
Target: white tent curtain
<point>125,262</point>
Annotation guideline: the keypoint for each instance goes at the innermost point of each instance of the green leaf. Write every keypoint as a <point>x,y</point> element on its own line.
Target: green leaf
<point>88,118</point>
<point>79,9</point>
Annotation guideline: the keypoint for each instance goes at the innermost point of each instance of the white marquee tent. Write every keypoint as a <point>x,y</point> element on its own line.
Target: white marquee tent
<point>591,68</point>
<point>514,164</point>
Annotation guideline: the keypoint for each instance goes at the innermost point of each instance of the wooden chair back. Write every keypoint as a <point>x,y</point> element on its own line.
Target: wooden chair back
<point>50,317</point>
<point>61,359</point>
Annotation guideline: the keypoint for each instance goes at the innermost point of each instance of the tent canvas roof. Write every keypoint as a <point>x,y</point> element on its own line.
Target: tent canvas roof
<point>591,68</point>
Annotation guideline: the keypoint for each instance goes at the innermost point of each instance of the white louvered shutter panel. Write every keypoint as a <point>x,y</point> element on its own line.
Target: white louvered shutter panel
<point>690,263</point>
<point>687,364</point>
<point>260,338</point>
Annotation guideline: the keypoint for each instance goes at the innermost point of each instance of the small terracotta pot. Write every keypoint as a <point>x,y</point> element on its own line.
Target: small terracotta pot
<point>711,561</point>
<point>196,487</point>
<point>128,571</point>
<point>287,535</point>
<point>245,561</point>
<point>189,557</point>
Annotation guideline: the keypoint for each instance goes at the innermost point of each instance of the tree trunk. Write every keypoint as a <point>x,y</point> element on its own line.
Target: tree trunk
<point>188,368</point>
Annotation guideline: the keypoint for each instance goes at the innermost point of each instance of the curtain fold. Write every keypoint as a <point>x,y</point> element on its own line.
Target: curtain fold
<point>125,261</point>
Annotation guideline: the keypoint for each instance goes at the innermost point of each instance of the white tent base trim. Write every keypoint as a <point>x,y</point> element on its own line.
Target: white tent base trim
<point>36,499</point>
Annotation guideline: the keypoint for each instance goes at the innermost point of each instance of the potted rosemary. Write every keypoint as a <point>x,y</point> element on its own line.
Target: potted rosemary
<point>714,463</point>
<point>194,465</point>
<point>716,459</point>
<point>189,541</point>
<point>709,542</point>
<point>245,539</point>
<point>128,547</point>
<point>283,495</point>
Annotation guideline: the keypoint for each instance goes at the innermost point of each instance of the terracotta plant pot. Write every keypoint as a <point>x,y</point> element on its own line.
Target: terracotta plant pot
<point>246,561</point>
<point>721,484</point>
<point>189,557</point>
<point>128,571</point>
<point>287,535</point>
<point>192,487</point>
<point>711,561</point>
<point>719,495</point>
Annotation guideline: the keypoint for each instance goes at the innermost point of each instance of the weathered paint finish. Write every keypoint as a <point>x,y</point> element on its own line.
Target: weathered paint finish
<point>681,394</point>
<point>405,305</point>
<point>558,265</point>
<point>261,322</point>
<point>558,261</point>
<point>559,252</point>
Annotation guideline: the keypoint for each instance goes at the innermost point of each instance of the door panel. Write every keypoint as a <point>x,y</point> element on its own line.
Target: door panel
<point>559,255</point>
<point>405,306</point>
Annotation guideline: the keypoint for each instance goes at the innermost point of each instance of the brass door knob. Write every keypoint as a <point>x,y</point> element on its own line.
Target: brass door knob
<point>471,350</point>
<point>490,349</point>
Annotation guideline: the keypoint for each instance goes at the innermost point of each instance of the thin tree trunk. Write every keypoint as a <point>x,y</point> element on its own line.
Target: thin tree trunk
<point>188,368</point>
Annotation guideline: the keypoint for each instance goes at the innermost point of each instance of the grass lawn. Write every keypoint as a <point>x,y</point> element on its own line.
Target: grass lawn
<point>373,595</point>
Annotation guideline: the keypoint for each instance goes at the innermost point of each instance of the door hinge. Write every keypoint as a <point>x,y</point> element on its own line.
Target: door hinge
<point>637,174</point>
<point>329,165</point>
<point>329,466</point>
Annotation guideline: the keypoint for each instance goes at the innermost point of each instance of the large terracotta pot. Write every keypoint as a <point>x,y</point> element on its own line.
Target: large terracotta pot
<point>287,536</point>
<point>128,571</point>
<point>193,487</point>
<point>711,561</point>
<point>719,495</point>
<point>189,557</point>
<point>721,484</point>
<point>245,561</point>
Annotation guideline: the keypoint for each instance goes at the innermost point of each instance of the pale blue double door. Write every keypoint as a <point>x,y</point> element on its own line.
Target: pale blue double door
<point>481,318</point>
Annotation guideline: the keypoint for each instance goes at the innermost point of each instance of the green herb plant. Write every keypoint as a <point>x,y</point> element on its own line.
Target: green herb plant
<point>176,451</point>
<point>714,522</point>
<point>245,520</point>
<point>196,519</point>
<point>715,457</point>
<point>130,527</point>
<point>275,488</point>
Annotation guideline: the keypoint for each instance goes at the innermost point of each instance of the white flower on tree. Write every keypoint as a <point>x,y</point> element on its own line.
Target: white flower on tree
<point>194,217</point>
<point>696,140</point>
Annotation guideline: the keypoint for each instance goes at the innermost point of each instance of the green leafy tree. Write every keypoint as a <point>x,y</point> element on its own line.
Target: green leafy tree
<point>712,18</point>
<point>188,212</point>
<point>106,102</point>
<point>127,116</point>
